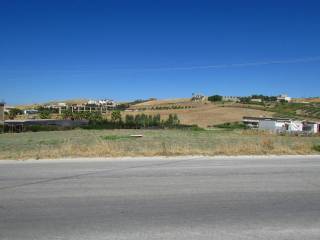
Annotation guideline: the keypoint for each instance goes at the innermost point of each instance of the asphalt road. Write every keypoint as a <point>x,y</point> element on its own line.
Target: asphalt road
<point>181,198</point>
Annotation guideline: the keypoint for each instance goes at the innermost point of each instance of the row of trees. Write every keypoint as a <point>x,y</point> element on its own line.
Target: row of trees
<point>264,98</point>
<point>218,98</point>
<point>118,121</point>
<point>91,116</point>
<point>256,96</point>
<point>174,107</point>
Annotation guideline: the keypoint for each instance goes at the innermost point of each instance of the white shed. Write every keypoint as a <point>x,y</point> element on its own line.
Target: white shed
<point>281,125</point>
<point>274,125</point>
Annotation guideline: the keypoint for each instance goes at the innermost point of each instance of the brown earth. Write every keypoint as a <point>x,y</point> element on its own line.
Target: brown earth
<point>203,114</point>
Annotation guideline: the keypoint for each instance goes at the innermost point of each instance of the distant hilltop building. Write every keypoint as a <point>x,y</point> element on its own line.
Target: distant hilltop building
<point>102,103</point>
<point>196,97</point>
<point>284,97</point>
<point>102,106</point>
<point>259,100</point>
<point>230,99</point>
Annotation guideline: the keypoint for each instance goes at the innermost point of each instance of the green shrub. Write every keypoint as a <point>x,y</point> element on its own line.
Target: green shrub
<point>316,147</point>
<point>45,128</point>
<point>116,137</point>
<point>45,114</point>
<point>215,98</point>
<point>232,126</point>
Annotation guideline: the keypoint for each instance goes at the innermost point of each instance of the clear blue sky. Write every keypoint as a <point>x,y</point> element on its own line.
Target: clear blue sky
<point>138,49</point>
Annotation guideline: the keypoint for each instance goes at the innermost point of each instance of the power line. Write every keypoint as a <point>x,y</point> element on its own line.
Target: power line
<point>180,68</point>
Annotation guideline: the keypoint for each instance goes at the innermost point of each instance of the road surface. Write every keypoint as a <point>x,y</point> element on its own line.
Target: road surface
<point>144,199</point>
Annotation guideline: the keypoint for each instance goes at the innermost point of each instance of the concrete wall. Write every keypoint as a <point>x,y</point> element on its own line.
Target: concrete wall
<point>267,125</point>
<point>296,126</point>
<point>272,125</point>
<point>48,122</point>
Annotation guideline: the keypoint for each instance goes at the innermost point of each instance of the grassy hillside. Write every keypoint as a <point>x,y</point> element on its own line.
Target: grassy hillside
<point>308,111</point>
<point>300,110</point>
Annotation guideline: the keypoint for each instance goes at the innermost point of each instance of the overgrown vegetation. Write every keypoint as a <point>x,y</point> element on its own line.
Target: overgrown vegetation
<point>91,143</point>
<point>264,99</point>
<point>232,126</point>
<point>14,112</point>
<point>45,114</point>
<point>139,121</point>
<point>296,110</point>
<point>42,128</point>
<point>116,137</point>
<point>91,116</point>
<point>46,110</point>
<point>316,147</point>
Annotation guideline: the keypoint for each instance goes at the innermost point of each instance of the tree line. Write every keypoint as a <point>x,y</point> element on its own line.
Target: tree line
<point>116,120</point>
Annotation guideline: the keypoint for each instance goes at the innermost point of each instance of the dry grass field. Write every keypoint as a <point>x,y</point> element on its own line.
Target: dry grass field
<point>308,100</point>
<point>111,143</point>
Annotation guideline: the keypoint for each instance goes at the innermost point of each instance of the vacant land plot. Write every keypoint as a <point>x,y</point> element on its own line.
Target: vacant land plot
<point>105,143</point>
<point>209,114</point>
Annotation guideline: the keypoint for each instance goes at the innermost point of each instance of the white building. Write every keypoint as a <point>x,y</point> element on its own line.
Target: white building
<point>8,108</point>
<point>230,99</point>
<point>277,125</point>
<point>61,104</point>
<point>196,97</point>
<point>284,97</point>
<point>281,125</point>
<point>256,100</point>
<point>102,103</point>
<point>30,111</point>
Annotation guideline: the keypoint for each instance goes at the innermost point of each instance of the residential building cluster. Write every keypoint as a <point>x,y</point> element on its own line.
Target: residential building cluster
<point>282,125</point>
<point>102,106</point>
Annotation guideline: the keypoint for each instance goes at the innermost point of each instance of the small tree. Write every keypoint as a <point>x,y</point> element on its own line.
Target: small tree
<point>215,98</point>
<point>44,114</point>
<point>14,112</point>
<point>129,121</point>
<point>245,99</point>
<point>156,120</point>
<point>94,116</point>
<point>67,114</point>
<point>172,120</point>
<point>116,117</point>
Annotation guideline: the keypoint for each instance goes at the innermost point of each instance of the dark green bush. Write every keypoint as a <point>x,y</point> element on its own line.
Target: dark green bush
<point>43,128</point>
<point>316,147</point>
<point>232,126</point>
<point>215,98</point>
